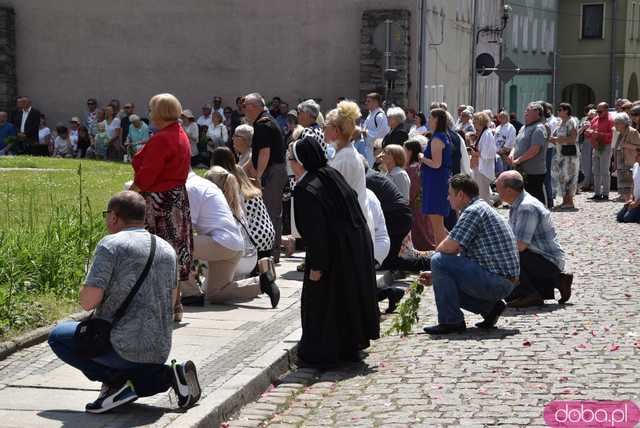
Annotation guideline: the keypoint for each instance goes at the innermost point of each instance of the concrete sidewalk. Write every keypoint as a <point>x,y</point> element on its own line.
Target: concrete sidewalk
<point>238,349</point>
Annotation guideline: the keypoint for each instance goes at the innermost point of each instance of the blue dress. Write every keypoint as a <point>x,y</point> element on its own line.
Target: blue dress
<point>435,182</point>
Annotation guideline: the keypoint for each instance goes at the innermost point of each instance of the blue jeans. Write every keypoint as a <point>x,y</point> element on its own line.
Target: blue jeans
<point>460,283</point>
<point>548,187</point>
<point>111,368</point>
<point>627,215</point>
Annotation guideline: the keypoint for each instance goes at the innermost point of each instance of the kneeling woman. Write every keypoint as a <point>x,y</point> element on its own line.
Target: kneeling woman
<point>339,308</point>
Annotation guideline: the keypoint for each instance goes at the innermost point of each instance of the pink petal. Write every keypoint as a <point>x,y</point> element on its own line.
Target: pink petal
<point>606,329</point>
<point>483,391</point>
<point>563,378</point>
<point>582,346</point>
<point>593,333</point>
<point>567,391</point>
<point>614,347</point>
<point>627,295</point>
<point>526,343</point>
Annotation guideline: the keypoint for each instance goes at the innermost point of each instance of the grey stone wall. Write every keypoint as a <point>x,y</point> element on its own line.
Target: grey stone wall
<point>7,59</point>
<point>372,59</point>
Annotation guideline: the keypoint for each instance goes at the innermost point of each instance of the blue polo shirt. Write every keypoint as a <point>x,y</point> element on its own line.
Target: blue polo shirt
<point>6,130</point>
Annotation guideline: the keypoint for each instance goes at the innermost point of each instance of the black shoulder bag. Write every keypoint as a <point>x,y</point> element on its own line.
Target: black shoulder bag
<point>93,335</point>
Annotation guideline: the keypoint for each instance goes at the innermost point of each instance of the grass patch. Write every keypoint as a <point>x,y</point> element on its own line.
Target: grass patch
<point>50,222</point>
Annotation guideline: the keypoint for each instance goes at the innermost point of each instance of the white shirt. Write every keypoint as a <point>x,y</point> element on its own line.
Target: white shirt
<point>210,213</point>
<point>381,241</point>
<point>43,134</point>
<point>376,125</point>
<point>417,131</point>
<point>192,132</point>
<point>111,127</point>
<point>553,123</point>
<point>218,136</point>
<point>25,115</point>
<point>204,121</point>
<point>636,181</point>
<point>348,163</point>
<point>73,134</point>
<point>64,147</point>
<point>487,148</point>
<point>505,136</point>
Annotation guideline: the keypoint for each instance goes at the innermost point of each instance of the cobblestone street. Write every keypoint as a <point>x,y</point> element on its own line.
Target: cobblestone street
<point>588,349</point>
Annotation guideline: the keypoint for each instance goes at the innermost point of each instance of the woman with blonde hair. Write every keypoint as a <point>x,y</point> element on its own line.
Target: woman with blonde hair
<point>160,169</point>
<point>394,159</point>
<point>483,158</point>
<point>223,258</point>
<point>260,227</point>
<point>339,129</point>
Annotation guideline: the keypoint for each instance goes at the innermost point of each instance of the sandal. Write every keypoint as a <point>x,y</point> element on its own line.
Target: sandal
<point>178,311</point>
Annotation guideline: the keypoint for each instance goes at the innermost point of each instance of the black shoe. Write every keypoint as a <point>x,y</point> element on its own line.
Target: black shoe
<point>594,198</point>
<point>300,267</point>
<point>492,317</point>
<point>270,288</point>
<point>193,300</point>
<point>111,397</point>
<point>604,198</point>
<point>185,383</point>
<point>446,328</point>
<point>566,279</point>
<point>394,295</point>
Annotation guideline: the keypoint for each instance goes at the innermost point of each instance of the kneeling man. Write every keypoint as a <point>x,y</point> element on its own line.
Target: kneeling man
<point>476,266</point>
<point>541,257</point>
<point>133,364</point>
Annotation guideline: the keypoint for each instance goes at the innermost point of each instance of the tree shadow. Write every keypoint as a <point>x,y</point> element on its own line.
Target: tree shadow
<point>293,276</point>
<point>131,415</point>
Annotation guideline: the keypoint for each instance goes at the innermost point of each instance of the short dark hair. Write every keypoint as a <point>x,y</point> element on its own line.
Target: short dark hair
<point>441,119</point>
<point>566,107</point>
<point>415,148</point>
<point>129,206</point>
<point>465,184</point>
<point>423,118</point>
<point>375,96</point>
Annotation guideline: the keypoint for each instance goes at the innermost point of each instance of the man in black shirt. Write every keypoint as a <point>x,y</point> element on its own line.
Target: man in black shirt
<point>267,164</point>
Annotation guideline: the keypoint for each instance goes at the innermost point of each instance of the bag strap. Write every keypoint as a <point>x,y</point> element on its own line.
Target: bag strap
<point>246,231</point>
<point>123,307</point>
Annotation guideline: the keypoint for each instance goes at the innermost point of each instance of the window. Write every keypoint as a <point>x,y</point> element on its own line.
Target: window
<point>592,21</point>
<point>525,33</point>
<point>544,35</point>
<point>514,32</point>
<point>633,21</point>
<point>534,35</point>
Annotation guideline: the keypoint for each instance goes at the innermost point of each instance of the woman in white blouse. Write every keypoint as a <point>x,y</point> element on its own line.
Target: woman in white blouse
<point>483,158</point>
<point>115,149</point>
<point>339,128</point>
<point>242,137</point>
<point>217,133</point>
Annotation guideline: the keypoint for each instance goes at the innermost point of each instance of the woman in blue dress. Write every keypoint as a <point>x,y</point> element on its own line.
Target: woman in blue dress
<point>435,172</point>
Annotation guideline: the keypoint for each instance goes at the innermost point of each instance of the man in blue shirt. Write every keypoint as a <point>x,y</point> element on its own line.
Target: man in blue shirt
<point>541,257</point>
<point>6,130</point>
<point>476,266</point>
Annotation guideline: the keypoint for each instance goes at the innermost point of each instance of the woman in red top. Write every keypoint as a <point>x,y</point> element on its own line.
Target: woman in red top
<point>161,170</point>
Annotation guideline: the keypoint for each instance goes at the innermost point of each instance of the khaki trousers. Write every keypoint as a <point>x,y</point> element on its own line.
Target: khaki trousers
<point>222,265</point>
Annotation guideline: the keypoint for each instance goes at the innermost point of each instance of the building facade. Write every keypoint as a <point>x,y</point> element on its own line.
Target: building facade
<point>598,51</point>
<point>530,43</point>
<point>296,49</point>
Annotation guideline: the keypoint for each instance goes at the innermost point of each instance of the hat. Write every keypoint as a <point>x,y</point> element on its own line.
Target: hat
<point>75,119</point>
<point>293,113</point>
<point>188,114</point>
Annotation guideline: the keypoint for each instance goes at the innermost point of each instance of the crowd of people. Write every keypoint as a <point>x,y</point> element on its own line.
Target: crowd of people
<point>395,190</point>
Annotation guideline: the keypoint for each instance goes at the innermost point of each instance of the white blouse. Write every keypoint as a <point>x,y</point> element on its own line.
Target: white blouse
<point>487,148</point>
<point>348,163</point>
<point>381,241</point>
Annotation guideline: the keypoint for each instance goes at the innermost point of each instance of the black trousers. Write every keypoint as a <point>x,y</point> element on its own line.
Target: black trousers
<point>396,262</point>
<point>534,185</point>
<point>538,276</point>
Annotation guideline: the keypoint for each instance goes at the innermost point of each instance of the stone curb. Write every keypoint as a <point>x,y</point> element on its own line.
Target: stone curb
<point>35,337</point>
<point>243,388</point>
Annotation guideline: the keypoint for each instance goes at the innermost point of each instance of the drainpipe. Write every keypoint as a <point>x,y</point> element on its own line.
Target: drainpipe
<point>474,48</point>
<point>612,55</point>
<point>423,57</point>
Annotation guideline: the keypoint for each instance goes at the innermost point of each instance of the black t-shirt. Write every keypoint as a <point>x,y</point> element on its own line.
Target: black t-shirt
<point>267,134</point>
<point>395,207</point>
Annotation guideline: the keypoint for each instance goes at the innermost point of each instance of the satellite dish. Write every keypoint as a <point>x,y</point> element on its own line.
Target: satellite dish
<point>485,61</point>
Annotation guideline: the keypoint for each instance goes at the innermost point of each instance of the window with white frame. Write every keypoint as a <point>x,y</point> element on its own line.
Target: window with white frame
<point>592,21</point>
<point>544,36</point>
<point>525,33</point>
<point>534,35</point>
<point>514,32</point>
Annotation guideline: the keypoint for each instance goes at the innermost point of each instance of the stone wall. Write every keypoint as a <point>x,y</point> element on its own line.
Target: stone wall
<point>372,59</point>
<point>7,59</point>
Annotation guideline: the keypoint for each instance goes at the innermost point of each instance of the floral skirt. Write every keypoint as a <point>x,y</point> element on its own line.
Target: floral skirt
<point>168,216</point>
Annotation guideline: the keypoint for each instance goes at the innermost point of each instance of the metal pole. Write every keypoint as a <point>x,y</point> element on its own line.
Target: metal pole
<point>422,59</point>
<point>612,55</point>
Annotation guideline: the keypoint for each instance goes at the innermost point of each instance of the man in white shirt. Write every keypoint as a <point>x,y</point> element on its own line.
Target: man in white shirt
<point>505,140</point>
<point>220,242</point>
<point>73,130</point>
<point>205,119</point>
<point>376,125</point>
<point>217,105</point>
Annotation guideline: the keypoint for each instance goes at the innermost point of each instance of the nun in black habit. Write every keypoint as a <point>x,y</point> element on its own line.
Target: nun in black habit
<point>339,307</point>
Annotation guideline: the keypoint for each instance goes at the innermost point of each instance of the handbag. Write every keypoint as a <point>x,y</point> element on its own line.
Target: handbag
<point>569,150</point>
<point>92,337</point>
<point>249,253</point>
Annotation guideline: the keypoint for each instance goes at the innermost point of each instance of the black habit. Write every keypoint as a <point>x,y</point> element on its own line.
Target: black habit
<point>340,313</point>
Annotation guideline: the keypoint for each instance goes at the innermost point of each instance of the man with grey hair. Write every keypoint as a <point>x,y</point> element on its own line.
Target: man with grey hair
<point>541,257</point>
<point>308,112</point>
<point>267,164</point>
<point>528,155</point>
<point>131,284</point>
<point>600,134</point>
<point>465,123</point>
<point>398,135</point>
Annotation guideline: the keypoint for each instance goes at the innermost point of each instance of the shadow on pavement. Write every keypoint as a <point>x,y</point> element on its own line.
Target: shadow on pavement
<point>131,415</point>
<point>477,334</point>
<point>293,276</point>
<point>544,309</point>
